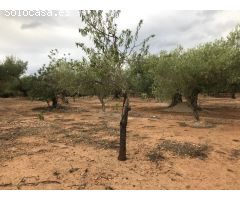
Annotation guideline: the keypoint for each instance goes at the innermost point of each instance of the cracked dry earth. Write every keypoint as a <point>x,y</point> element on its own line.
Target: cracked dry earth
<point>76,147</point>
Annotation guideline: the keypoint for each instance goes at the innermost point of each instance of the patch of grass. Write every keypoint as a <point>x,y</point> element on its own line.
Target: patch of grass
<point>60,109</point>
<point>185,149</point>
<point>16,132</point>
<point>155,155</point>
<point>93,141</point>
<point>106,144</point>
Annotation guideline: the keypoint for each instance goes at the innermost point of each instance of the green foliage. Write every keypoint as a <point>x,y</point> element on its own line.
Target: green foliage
<point>111,51</point>
<point>209,68</point>
<point>26,84</point>
<point>11,70</point>
<point>140,75</point>
<point>58,78</point>
<point>166,73</point>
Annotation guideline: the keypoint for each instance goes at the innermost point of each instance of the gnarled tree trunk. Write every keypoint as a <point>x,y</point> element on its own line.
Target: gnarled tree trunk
<point>233,96</point>
<point>117,94</point>
<point>176,99</point>
<point>123,128</point>
<point>193,102</point>
<point>233,89</point>
<point>54,102</point>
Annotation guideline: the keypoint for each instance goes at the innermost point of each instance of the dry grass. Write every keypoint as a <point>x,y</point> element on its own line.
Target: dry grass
<point>97,142</point>
<point>184,149</point>
<point>155,156</point>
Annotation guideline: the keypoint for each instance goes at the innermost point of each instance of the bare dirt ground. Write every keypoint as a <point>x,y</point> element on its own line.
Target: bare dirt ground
<point>77,147</point>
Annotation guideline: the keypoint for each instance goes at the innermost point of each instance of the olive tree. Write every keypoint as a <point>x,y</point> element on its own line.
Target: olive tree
<point>140,75</point>
<point>109,53</point>
<point>233,82</point>
<point>167,75</point>
<point>211,67</point>
<point>57,79</point>
<point>11,70</point>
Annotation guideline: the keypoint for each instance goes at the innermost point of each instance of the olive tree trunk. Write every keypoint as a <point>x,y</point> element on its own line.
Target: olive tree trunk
<point>193,102</point>
<point>233,96</point>
<point>123,128</point>
<point>102,102</point>
<point>233,90</point>
<point>176,99</point>
<point>54,102</point>
<point>117,94</point>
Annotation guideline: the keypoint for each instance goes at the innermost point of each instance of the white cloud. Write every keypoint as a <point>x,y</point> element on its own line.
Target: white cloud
<point>31,38</point>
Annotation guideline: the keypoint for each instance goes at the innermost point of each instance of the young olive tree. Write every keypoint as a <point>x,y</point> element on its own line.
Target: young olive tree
<point>109,54</point>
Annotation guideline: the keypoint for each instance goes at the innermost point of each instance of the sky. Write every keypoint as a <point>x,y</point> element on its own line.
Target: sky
<point>31,38</point>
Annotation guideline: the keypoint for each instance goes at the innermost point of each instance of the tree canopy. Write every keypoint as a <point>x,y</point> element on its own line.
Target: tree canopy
<point>11,70</point>
<point>111,52</point>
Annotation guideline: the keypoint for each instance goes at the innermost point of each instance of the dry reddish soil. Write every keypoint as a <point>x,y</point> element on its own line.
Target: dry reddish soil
<point>76,147</point>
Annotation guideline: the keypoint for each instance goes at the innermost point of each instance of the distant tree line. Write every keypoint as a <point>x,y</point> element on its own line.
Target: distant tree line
<point>210,68</point>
